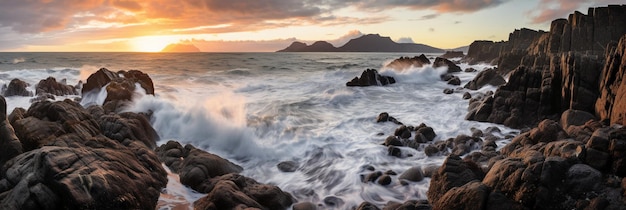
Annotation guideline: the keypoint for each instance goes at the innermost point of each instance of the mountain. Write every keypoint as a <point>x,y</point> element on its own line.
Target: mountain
<point>365,43</point>
<point>179,47</point>
<point>463,49</point>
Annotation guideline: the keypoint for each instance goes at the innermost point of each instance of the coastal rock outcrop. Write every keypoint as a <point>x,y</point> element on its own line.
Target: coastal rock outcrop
<point>486,77</point>
<point>16,87</point>
<point>442,62</point>
<point>611,103</point>
<point>404,63</point>
<point>51,86</point>
<point>10,145</point>
<point>69,163</point>
<point>120,86</point>
<point>219,178</point>
<point>370,77</point>
<point>453,54</point>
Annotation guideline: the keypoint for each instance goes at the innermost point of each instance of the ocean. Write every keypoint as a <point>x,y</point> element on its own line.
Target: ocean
<point>260,109</point>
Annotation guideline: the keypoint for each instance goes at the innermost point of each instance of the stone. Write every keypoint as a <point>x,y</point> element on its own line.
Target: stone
<point>304,206</point>
<point>384,180</point>
<point>51,86</point>
<point>454,81</point>
<point>572,117</point>
<point>442,62</point>
<point>467,96</point>
<point>10,145</point>
<point>453,173</point>
<point>581,179</point>
<point>448,91</point>
<point>453,54</point>
<point>486,77</point>
<point>413,174</point>
<point>16,87</point>
<point>231,191</point>
<point>288,166</point>
<point>472,195</point>
<point>370,77</point>
<point>199,167</point>
<point>404,63</point>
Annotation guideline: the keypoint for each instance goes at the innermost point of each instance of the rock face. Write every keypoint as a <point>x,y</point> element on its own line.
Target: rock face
<point>558,70</point>
<point>543,168</point>
<point>118,87</point>
<point>483,52</point>
<point>16,87</point>
<point>370,77</point>
<point>51,86</point>
<point>611,103</point>
<point>486,77</point>
<point>68,163</point>
<point>211,174</point>
<point>442,62</point>
<point>404,63</point>
<point>453,54</point>
<point>10,145</point>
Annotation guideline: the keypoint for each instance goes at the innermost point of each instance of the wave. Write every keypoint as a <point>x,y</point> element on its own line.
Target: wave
<point>18,60</point>
<point>419,75</point>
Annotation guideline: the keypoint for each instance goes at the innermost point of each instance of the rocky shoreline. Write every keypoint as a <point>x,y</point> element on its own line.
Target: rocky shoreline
<point>566,91</point>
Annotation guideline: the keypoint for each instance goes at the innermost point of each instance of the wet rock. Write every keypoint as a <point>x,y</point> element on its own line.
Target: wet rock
<point>430,150</point>
<point>16,87</point>
<point>466,96</point>
<point>486,77</point>
<point>129,125</point>
<point>453,173</point>
<point>384,180</point>
<point>288,166</point>
<point>413,174</point>
<point>304,206</point>
<point>442,62</point>
<point>393,141</point>
<point>200,166</point>
<point>51,86</point>
<point>333,201</point>
<point>470,70</point>
<point>402,132</point>
<point>394,151</point>
<point>404,63</point>
<point>367,206</point>
<point>581,179</point>
<point>370,77</point>
<point>232,191</point>
<point>448,91</point>
<point>454,81</point>
<point>427,132</point>
<point>172,155</point>
<point>572,117</point>
<point>472,195</point>
<point>385,117</point>
<point>118,87</point>
<point>371,177</point>
<point>10,145</point>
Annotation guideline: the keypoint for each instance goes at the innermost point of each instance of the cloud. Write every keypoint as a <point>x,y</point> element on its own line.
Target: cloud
<point>457,22</point>
<point>427,17</point>
<point>462,6</point>
<point>431,29</point>
<point>346,37</point>
<point>549,10</point>
<point>405,40</point>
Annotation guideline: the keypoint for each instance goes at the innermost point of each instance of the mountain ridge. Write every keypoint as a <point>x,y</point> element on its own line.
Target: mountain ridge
<point>365,43</point>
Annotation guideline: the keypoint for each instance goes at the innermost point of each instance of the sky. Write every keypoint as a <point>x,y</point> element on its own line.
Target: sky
<point>266,25</point>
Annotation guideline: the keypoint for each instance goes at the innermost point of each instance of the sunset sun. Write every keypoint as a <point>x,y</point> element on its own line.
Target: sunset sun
<point>152,43</point>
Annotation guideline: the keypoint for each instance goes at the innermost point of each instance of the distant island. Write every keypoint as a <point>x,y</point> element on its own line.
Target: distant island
<point>180,47</point>
<point>365,43</point>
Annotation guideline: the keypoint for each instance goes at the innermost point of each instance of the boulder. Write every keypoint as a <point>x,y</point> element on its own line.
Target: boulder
<point>51,86</point>
<point>172,154</point>
<point>472,195</point>
<point>10,145</point>
<point>486,77</point>
<point>413,174</point>
<point>76,173</point>
<point>404,63</point>
<point>288,166</point>
<point>128,125</point>
<point>442,62</point>
<point>118,87</point>
<point>16,87</point>
<point>572,117</point>
<point>199,167</point>
<point>448,91</point>
<point>453,173</point>
<point>370,77</point>
<point>455,81</point>
<point>234,191</point>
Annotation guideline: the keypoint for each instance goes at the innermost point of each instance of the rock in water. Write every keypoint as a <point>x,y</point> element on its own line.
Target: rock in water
<point>442,62</point>
<point>370,77</point>
<point>486,77</point>
<point>17,87</point>
<point>404,63</point>
<point>51,86</point>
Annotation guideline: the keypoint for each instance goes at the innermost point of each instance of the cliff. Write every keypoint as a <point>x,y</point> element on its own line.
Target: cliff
<point>365,43</point>
<point>553,71</point>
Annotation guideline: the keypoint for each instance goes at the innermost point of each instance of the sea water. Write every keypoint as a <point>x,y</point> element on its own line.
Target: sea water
<point>260,109</point>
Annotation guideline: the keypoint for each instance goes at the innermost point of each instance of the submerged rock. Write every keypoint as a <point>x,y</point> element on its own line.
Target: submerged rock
<point>370,77</point>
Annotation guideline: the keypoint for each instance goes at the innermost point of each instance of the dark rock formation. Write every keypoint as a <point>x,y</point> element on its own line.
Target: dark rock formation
<point>365,43</point>
<point>404,63</point>
<point>453,54</point>
<point>233,191</point>
<point>16,87</point>
<point>442,62</point>
<point>611,103</point>
<point>483,52</point>
<point>51,86</point>
<point>370,77</point>
<point>119,88</point>
<point>453,173</point>
<point>10,145</point>
<point>69,164</point>
<point>486,77</point>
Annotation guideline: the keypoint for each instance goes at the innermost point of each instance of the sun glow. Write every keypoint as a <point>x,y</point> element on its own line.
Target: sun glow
<point>152,43</point>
